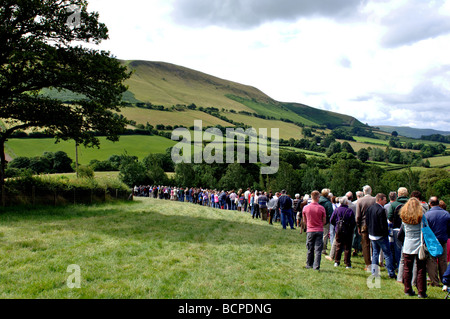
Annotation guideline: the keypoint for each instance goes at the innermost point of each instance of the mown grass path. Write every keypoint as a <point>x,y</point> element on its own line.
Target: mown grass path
<point>158,249</point>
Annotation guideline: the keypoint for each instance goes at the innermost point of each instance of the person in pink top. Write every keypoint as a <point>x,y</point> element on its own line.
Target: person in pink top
<point>315,217</point>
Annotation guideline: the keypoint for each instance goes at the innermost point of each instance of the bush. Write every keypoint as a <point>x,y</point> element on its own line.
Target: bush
<point>85,172</point>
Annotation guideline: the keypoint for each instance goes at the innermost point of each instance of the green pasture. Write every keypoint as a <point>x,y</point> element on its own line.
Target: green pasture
<point>137,145</point>
<point>156,249</point>
<point>440,161</point>
<point>185,118</point>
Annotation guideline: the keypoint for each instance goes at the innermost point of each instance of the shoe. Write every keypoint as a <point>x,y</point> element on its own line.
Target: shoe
<point>328,258</point>
<point>423,296</point>
<point>308,267</point>
<point>445,288</point>
<point>348,267</point>
<point>410,294</point>
<point>336,265</point>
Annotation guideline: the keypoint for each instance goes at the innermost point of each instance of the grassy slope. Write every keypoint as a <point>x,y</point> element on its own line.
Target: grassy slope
<point>159,249</point>
<point>168,84</point>
<point>137,145</point>
<point>185,118</point>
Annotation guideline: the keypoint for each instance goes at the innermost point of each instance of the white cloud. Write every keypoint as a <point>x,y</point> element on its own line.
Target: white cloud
<point>383,62</point>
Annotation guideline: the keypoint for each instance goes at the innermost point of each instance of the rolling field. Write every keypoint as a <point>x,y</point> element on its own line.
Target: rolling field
<point>137,145</point>
<point>286,130</point>
<point>186,118</point>
<point>156,249</point>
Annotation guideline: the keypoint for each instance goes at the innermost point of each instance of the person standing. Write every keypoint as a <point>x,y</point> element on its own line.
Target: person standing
<point>394,218</point>
<point>362,205</point>
<point>326,203</point>
<point>285,205</point>
<point>262,202</point>
<point>246,199</point>
<point>377,226</point>
<point>439,222</point>
<point>314,216</point>
<point>343,219</point>
<point>411,215</point>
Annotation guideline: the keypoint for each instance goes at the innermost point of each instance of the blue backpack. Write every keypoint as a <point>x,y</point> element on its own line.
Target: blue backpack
<point>434,247</point>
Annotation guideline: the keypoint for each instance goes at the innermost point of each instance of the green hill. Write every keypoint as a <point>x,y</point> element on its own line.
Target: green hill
<point>167,84</point>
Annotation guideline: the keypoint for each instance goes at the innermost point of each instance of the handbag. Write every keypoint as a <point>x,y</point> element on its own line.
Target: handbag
<point>433,245</point>
<point>423,252</point>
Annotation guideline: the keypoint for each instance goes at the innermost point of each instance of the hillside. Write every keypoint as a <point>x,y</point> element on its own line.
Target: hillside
<point>167,84</point>
<point>411,132</point>
<point>164,85</point>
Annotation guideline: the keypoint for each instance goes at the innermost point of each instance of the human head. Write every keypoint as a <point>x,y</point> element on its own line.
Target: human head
<point>442,205</point>
<point>434,201</point>
<point>315,196</point>
<point>283,192</point>
<point>416,194</point>
<point>349,196</point>
<point>359,194</point>
<point>381,199</point>
<point>392,196</point>
<point>325,192</point>
<point>367,190</point>
<point>412,212</point>
<point>402,192</point>
<point>306,197</point>
<point>297,195</point>
<point>343,200</point>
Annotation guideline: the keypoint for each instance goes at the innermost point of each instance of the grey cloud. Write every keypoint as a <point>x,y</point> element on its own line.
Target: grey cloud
<point>415,21</point>
<point>425,93</point>
<point>243,14</point>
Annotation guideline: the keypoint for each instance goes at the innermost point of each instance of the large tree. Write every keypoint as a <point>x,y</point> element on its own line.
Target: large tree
<point>41,48</point>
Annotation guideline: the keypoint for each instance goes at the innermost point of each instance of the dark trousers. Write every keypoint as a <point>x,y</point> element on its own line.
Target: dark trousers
<point>314,246</point>
<point>256,211</point>
<point>344,243</point>
<point>408,273</point>
<point>365,244</point>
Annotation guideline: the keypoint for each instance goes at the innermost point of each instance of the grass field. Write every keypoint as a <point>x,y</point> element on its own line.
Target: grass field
<point>286,130</point>
<point>440,161</point>
<point>138,145</point>
<point>186,118</point>
<point>156,249</point>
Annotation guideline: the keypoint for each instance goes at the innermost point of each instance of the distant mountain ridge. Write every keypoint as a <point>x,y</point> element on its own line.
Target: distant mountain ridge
<point>410,132</point>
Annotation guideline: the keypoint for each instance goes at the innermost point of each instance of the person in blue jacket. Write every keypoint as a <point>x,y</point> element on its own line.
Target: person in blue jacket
<point>439,222</point>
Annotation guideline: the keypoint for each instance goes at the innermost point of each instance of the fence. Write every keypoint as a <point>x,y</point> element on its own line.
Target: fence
<point>45,196</point>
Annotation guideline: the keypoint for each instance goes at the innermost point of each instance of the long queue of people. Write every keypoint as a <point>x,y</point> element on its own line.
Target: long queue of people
<point>386,229</point>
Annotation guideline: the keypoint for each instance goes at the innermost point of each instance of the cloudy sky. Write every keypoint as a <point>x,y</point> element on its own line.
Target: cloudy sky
<point>383,62</point>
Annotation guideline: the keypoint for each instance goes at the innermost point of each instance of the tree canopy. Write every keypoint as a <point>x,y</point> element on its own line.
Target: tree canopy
<point>38,52</point>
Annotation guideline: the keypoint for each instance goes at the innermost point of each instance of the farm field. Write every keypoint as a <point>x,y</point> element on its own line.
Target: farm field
<point>137,145</point>
<point>156,249</point>
<point>185,118</point>
<point>440,161</point>
<point>286,130</point>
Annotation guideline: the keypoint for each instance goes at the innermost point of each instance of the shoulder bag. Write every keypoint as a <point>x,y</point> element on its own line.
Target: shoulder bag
<point>433,245</point>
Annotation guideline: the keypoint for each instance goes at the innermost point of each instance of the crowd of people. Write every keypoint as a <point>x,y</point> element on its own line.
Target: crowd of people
<point>385,229</point>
